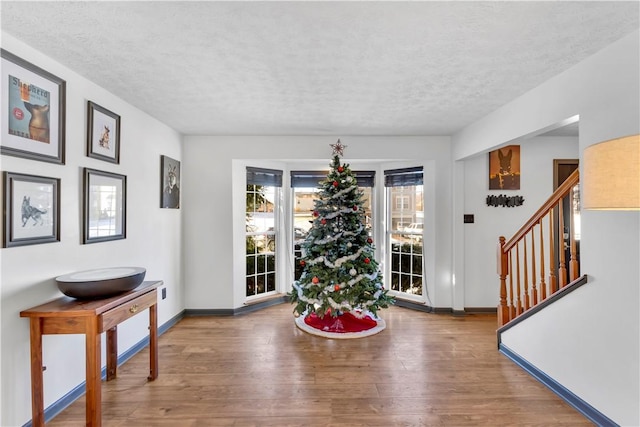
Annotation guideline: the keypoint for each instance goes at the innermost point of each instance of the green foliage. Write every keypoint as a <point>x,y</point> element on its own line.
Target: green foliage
<point>339,273</point>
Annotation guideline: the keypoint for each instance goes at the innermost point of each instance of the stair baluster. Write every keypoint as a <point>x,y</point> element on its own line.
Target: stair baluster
<point>524,291</point>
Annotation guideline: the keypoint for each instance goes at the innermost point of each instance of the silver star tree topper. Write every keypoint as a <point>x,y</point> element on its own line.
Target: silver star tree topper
<point>338,148</point>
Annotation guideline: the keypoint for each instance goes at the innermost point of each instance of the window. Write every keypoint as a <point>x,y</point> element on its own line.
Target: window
<point>304,185</point>
<point>104,208</point>
<point>405,219</point>
<point>262,200</point>
<point>402,202</point>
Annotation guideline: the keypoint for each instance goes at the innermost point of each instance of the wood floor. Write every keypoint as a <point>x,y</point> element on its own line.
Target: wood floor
<point>259,369</point>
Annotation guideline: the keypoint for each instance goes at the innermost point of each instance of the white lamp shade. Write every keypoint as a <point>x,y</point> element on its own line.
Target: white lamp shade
<point>611,175</point>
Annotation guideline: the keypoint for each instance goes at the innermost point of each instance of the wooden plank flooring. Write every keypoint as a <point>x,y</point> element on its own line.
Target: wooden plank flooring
<point>259,369</point>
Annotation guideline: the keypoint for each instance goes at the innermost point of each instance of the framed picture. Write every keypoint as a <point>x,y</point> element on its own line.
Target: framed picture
<point>104,206</point>
<point>504,168</point>
<point>103,133</point>
<point>33,111</point>
<point>31,209</point>
<point>169,183</point>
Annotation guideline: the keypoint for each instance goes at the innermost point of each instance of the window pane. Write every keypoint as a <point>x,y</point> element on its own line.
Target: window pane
<point>251,286</point>
<point>271,282</point>
<point>251,265</point>
<point>395,281</point>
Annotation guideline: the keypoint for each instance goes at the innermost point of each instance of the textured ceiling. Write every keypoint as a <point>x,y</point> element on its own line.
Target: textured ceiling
<point>319,68</point>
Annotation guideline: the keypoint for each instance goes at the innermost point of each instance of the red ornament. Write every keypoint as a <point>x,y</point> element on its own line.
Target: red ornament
<point>302,263</point>
<point>315,280</point>
<point>335,183</point>
<point>336,287</point>
<point>323,221</point>
<point>355,208</point>
<point>315,213</point>
<point>367,260</point>
<point>340,169</point>
<point>369,240</point>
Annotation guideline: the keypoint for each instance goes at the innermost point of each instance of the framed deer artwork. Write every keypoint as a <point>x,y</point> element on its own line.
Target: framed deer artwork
<point>504,168</point>
<point>32,110</point>
<point>103,133</point>
<point>31,209</point>
<point>169,183</point>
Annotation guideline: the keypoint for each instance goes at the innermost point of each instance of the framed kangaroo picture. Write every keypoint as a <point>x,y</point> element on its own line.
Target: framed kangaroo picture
<point>169,183</point>
<point>32,111</point>
<point>103,133</point>
<point>31,209</point>
<point>504,168</point>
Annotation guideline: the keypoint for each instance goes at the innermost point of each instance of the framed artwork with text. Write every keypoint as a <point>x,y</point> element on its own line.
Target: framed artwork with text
<point>33,111</point>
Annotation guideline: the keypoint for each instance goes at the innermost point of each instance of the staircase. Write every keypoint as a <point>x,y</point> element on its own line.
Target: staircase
<point>546,239</point>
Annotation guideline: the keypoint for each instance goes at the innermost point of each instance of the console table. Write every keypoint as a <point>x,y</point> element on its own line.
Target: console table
<point>66,315</point>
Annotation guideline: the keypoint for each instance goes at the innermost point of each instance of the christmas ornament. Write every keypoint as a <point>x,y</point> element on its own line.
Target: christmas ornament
<point>315,280</point>
<point>353,272</point>
<point>316,213</point>
<point>338,148</point>
<point>340,169</point>
<point>336,287</point>
<point>302,263</point>
<point>335,183</point>
<point>349,244</point>
<point>367,260</point>
<point>369,240</point>
<point>323,221</point>
<point>355,208</point>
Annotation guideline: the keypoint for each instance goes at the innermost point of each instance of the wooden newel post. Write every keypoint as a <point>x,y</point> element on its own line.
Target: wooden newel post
<point>503,270</point>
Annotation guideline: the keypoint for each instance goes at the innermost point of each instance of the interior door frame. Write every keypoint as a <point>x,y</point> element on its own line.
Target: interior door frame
<point>557,163</point>
<point>566,205</point>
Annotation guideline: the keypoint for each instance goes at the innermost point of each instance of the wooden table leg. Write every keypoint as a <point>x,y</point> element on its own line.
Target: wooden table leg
<point>153,342</point>
<point>94,392</point>
<point>37,398</point>
<point>112,353</point>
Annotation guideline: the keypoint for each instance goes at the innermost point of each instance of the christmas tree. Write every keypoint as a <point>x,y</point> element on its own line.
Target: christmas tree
<point>340,274</point>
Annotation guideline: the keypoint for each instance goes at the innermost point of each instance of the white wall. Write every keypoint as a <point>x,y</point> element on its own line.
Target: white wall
<point>536,185</point>
<point>208,201</point>
<point>602,369</point>
<point>589,342</point>
<point>153,241</point>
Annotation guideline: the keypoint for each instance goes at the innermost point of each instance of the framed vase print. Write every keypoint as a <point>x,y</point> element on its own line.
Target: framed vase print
<point>31,209</point>
<point>103,133</point>
<point>33,111</point>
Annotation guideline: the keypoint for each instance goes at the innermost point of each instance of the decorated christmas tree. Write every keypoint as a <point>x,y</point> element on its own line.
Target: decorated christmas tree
<point>339,273</point>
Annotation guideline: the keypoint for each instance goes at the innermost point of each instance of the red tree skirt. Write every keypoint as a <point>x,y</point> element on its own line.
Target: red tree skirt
<point>345,325</point>
<point>345,322</point>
